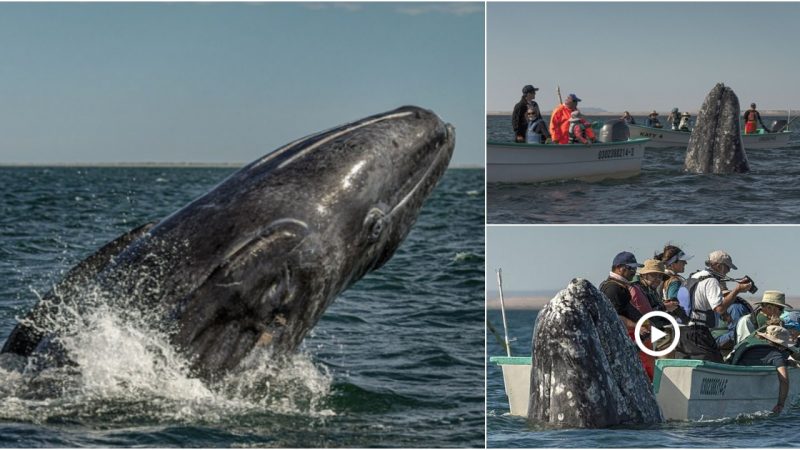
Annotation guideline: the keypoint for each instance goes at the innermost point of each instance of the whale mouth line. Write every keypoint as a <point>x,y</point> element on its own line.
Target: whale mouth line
<point>441,158</point>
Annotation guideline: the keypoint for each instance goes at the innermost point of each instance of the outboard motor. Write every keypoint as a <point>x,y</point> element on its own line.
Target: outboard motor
<point>777,126</point>
<point>614,131</point>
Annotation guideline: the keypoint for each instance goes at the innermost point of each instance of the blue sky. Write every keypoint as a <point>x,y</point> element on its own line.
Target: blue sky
<point>222,82</point>
<point>537,258</point>
<point>643,56</point>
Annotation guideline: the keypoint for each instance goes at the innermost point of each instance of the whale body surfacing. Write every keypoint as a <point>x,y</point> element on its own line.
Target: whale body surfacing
<point>255,262</point>
<point>585,371</point>
<point>715,145</point>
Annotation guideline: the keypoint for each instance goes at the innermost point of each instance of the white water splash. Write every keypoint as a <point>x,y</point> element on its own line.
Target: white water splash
<point>127,370</point>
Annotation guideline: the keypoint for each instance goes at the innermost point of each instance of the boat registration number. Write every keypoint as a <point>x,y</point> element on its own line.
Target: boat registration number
<point>615,153</point>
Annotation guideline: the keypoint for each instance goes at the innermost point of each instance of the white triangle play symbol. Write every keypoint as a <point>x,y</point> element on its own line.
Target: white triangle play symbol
<point>656,334</point>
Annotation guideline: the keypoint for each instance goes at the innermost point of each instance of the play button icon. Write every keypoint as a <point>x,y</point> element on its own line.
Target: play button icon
<point>656,334</point>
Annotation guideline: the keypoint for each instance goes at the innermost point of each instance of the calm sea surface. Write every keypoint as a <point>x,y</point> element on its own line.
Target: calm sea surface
<point>396,361</point>
<point>662,194</point>
<point>504,430</point>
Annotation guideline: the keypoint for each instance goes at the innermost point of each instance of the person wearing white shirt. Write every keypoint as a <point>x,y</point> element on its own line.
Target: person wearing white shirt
<point>706,298</point>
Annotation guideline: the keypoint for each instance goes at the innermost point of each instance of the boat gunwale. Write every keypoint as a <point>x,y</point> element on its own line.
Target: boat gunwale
<point>679,132</point>
<point>635,141</point>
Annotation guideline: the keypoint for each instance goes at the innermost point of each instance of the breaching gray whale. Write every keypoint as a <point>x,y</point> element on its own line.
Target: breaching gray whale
<point>586,372</point>
<point>257,260</point>
<point>715,145</point>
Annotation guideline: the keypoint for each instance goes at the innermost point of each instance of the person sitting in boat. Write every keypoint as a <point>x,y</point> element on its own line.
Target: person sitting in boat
<point>751,120</point>
<point>704,294</point>
<point>645,291</point>
<point>771,306</point>
<point>791,321</point>
<point>537,130</point>
<point>685,121</point>
<point>519,120</point>
<point>617,288</point>
<point>628,118</point>
<point>674,260</point>
<point>773,348</point>
<point>674,119</point>
<point>738,310</point>
<point>580,130</point>
<point>559,119</point>
<point>652,120</point>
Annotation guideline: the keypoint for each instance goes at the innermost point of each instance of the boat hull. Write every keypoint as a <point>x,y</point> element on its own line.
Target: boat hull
<point>685,389</point>
<point>532,163</point>
<point>667,138</point>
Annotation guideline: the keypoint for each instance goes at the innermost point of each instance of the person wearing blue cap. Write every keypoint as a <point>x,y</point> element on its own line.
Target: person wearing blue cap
<point>559,119</point>
<point>617,287</point>
<point>519,120</point>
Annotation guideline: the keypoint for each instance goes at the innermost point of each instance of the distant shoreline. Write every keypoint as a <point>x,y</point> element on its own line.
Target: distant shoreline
<point>164,165</point>
<point>518,303</point>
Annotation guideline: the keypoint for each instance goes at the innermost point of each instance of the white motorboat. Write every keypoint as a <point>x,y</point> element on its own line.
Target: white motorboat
<point>667,138</point>
<point>685,389</point>
<point>511,162</point>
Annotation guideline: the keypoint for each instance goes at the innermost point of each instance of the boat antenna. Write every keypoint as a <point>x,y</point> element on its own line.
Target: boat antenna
<point>558,91</point>
<point>503,310</point>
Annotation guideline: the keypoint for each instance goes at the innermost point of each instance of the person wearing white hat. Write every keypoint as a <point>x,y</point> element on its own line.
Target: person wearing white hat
<point>771,306</point>
<point>772,348</point>
<point>685,122</point>
<point>652,120</point>
<point>704,294</point>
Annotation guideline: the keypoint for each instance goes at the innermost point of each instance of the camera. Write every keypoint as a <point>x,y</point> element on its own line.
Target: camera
<point>753,287</point>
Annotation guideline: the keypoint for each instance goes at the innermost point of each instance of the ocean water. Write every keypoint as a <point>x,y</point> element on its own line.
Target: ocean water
<point>396,361</point>
<point>661,194</point>
<point>506,431</point>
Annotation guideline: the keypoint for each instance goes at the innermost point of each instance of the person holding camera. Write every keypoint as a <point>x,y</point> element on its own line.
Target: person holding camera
<point>705,297</point>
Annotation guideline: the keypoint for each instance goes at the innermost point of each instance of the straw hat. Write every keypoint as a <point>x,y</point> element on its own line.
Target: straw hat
<point>777,334</point>
<point>776,298</point>
<point>654,113</point>
<point>652,266</point>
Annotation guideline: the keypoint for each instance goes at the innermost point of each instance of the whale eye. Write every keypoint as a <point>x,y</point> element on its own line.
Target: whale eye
<point>373,224</point>
<point>376,229</point>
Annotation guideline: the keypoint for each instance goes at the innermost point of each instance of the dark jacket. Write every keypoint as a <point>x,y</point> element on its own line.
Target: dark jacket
<point>518,119</point>
<point>620,297</point>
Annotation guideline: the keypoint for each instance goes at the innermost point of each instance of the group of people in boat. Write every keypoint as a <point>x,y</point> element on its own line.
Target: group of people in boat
<point>717,324</point>
<point>567,124</point>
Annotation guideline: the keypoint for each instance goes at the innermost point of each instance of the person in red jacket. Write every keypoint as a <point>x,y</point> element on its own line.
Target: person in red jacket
<point>580,130</point>
<point>559,119</point>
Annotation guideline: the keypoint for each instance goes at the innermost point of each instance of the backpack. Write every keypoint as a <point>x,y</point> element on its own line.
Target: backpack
<point>686,299</point>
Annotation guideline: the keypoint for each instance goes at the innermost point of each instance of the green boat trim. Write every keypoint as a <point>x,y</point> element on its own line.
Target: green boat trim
<point>557,146</point>
<point>511,360</point>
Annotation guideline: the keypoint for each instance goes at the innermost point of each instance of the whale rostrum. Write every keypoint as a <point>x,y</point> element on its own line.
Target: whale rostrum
<point>257,260</point>
<point>715,145</point>
<point>585,371</point>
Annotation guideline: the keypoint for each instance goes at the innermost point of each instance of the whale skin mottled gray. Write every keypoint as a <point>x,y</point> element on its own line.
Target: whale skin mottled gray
<point>715,145</point>
<point>257,260</point>
<point>586,371</point>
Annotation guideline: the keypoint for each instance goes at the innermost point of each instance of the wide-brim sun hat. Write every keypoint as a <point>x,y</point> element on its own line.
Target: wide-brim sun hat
<point>652,266</point>
<point>777,335</point>
<point>776,298</point>
<point>654,113</point>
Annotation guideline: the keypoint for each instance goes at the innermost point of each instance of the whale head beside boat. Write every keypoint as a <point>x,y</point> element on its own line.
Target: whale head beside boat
<point>585,369</point>
<point>715,145</point>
